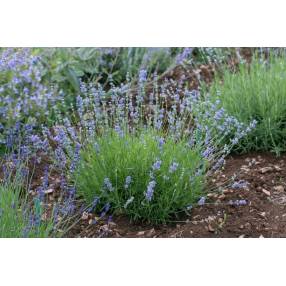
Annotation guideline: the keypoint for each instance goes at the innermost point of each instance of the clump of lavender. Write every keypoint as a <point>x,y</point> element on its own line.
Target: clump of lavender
<point>126,131</point>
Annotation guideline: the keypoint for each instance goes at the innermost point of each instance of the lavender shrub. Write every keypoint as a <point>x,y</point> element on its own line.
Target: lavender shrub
<point>168,141</point>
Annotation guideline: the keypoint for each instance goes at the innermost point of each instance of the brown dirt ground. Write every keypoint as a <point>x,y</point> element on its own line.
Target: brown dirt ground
<point>263,216</point>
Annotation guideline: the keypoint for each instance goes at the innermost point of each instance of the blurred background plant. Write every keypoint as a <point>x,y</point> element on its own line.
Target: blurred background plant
<point>69,66</point>
<point>257,91</point>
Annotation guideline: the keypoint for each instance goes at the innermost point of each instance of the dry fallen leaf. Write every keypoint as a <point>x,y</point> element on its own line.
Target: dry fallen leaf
<point>267,193</point>
<point>140,233</point>
<point>279,188</point>
<point>266,170</point>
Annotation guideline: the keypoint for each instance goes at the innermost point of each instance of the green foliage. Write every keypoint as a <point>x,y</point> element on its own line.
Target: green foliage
<point>257,92</point>
<point>114,157</point>
<point>67,66</point>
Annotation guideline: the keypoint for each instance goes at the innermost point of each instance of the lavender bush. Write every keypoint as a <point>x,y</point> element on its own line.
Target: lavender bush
<point>148,155</point>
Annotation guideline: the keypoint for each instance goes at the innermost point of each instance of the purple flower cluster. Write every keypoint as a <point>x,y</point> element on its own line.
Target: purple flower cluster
<point>237,203</point>
<point>150,191</point>
<point>239,185</point>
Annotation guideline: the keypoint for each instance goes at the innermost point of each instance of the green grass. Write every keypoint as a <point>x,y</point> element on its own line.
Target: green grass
<point>116,158</point>
<point>257,92</point>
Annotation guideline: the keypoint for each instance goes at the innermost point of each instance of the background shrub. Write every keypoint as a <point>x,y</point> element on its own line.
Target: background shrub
<point>257,91</point>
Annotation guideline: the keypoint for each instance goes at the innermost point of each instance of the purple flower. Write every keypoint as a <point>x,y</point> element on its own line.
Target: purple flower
<point>161,142</point>
<point>150,191</point>
<point>75,158</point>
<point>184,55</point>
<point>60,156</point>
<point>119,131</point>
<point>237,203</point>
<point>174,166</point>
<point>242,184</point>
<point>127,182</point>
<point>93,204</point>
<point>108,184</point>
<point>157,165</point>
<point>142,76</point>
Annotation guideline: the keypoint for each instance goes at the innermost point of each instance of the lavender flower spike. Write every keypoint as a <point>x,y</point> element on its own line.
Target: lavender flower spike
<point>150,191</point>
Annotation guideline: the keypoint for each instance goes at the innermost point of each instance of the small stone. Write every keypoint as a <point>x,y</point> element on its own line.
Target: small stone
<point>279,188</point>
<point>261,236</point>
<point>242,236</point>
<point>266,170</point>
<point>210,228</point>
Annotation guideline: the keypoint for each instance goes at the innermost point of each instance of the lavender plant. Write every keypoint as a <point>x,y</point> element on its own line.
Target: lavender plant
<point>149,154</point>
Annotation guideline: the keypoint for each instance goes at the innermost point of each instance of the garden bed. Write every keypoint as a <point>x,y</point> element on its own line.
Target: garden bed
<point>264,215</point>
<point>146,158</point>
